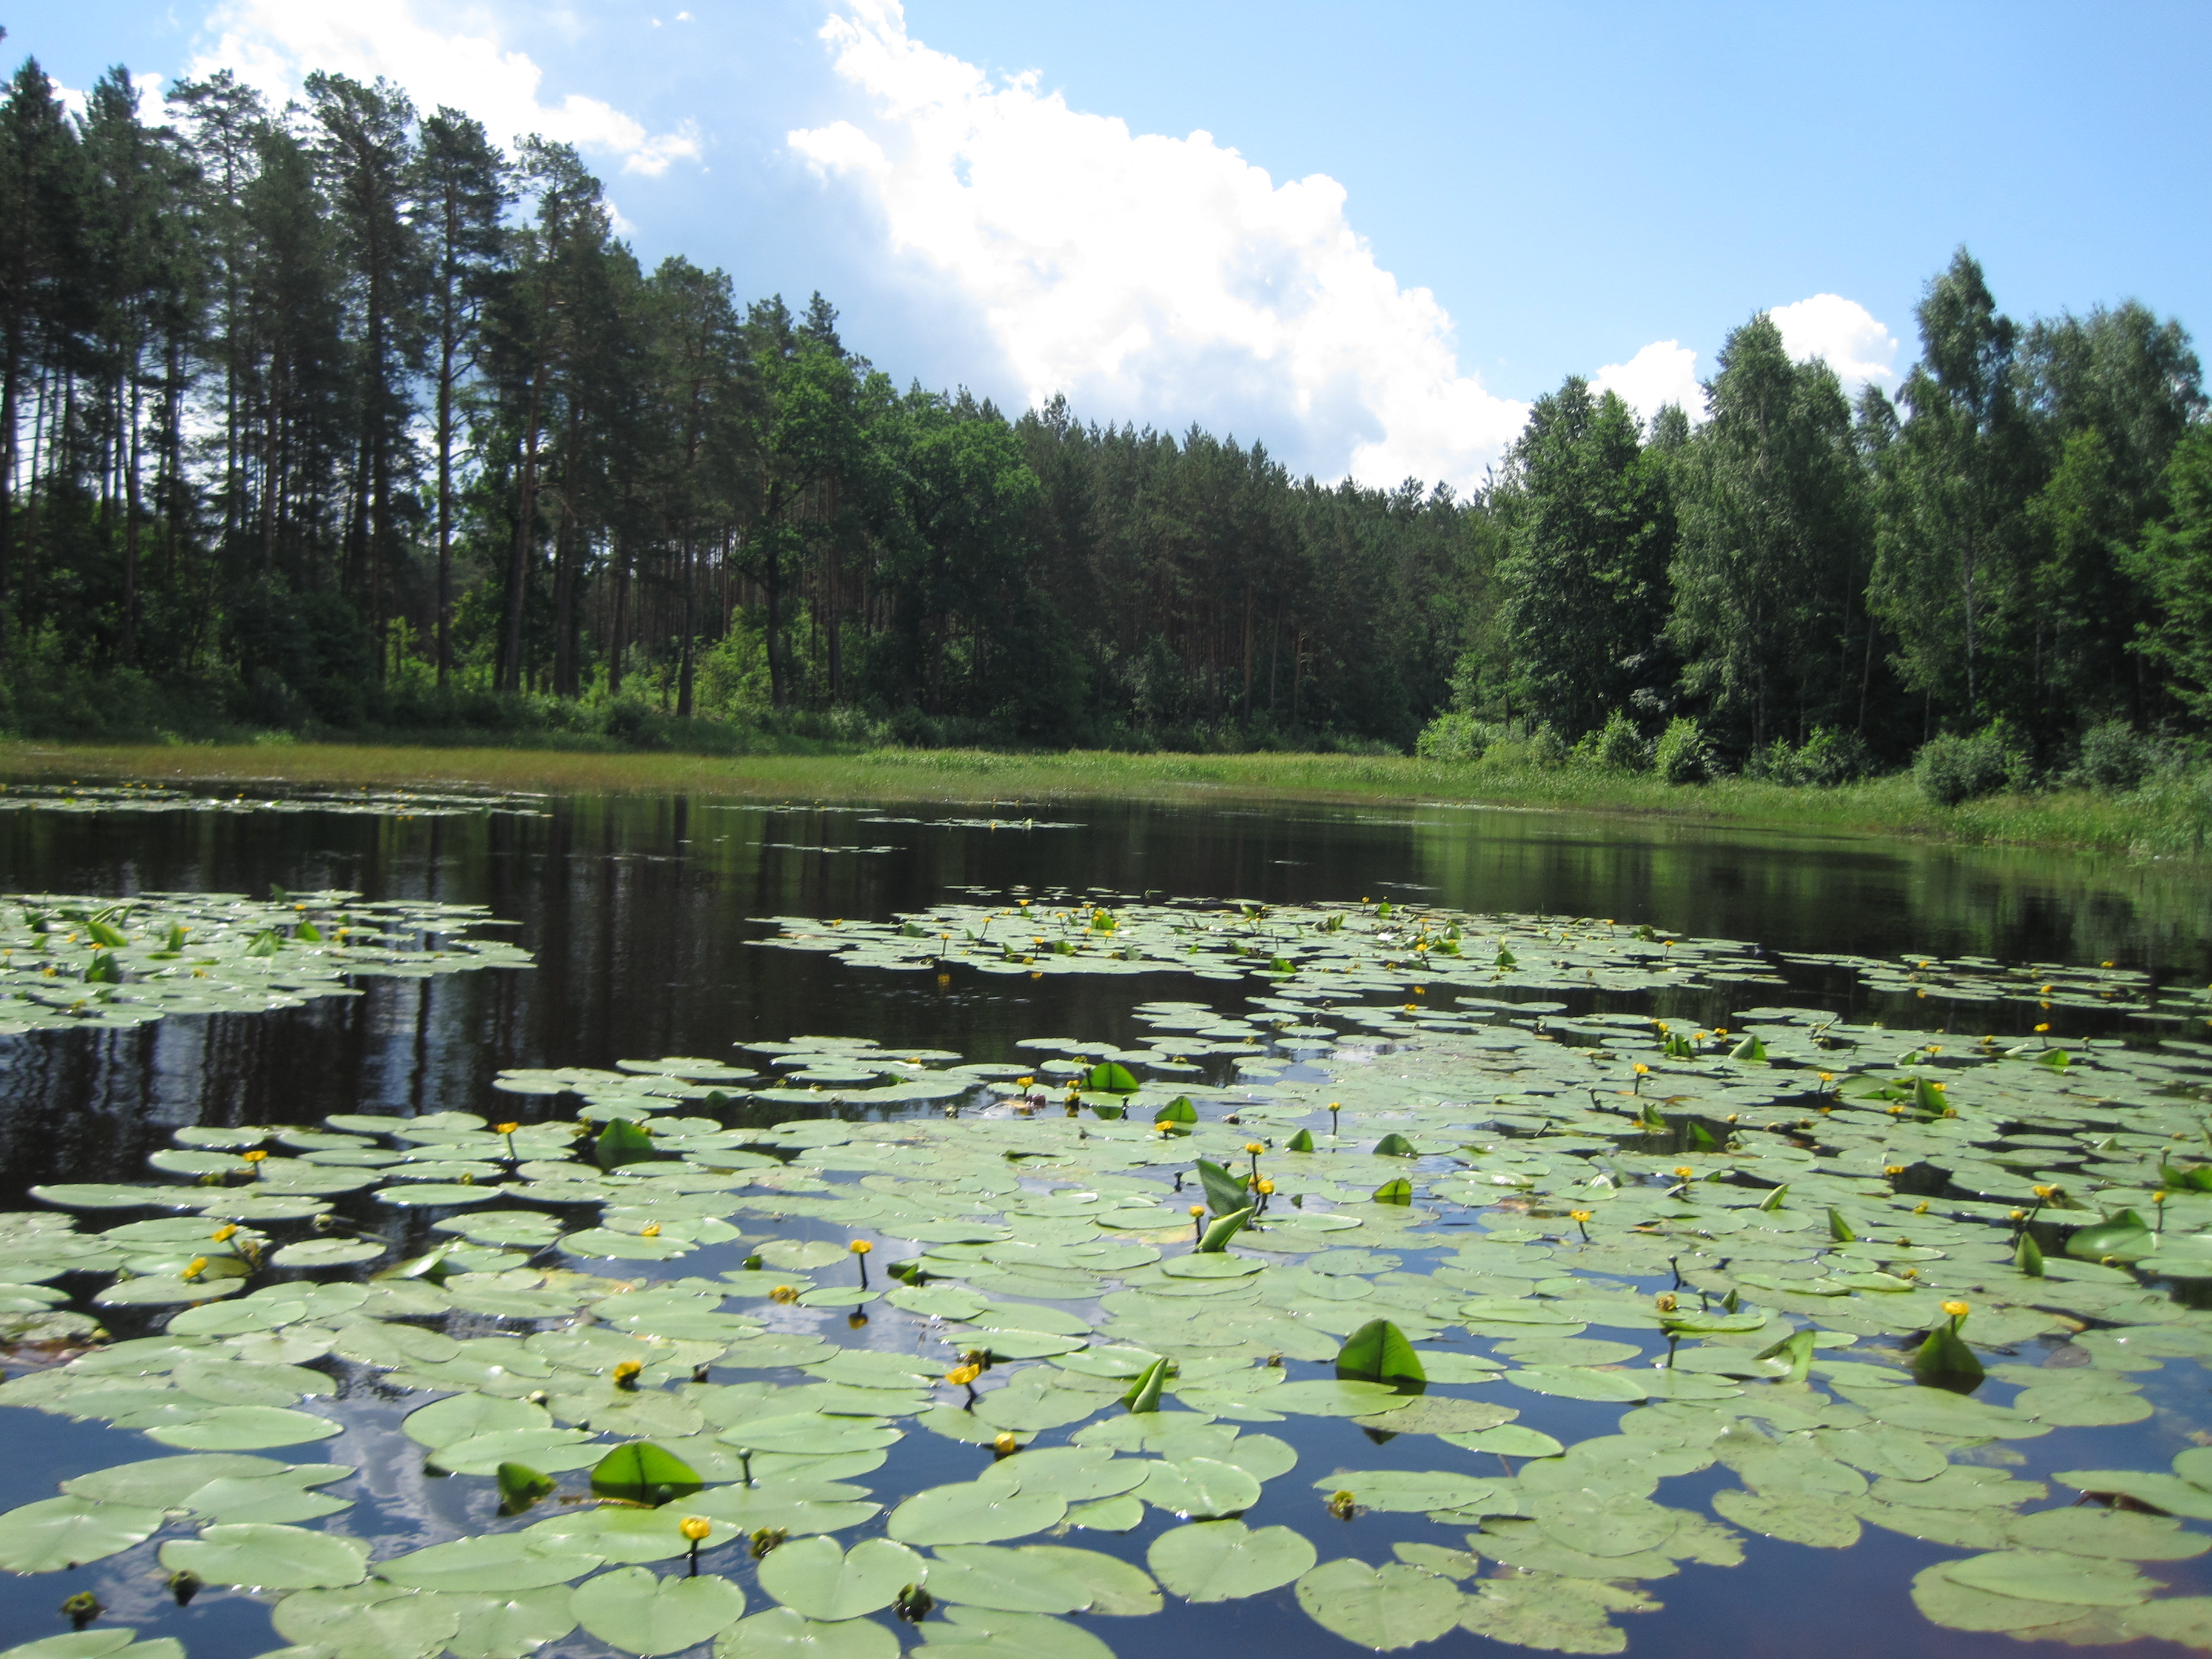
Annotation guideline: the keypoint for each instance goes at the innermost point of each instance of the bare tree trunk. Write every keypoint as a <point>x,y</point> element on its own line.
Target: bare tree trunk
<point>619,643</point>
<point>690,608</point>
<point>131,538</point>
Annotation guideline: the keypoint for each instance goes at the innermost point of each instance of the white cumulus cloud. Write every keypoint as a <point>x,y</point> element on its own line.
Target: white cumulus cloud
<point>1827,326</point>
<point>275,44</point>
<point>1844,331</point>
<point>1150,277</point>
<point>1664,372</point>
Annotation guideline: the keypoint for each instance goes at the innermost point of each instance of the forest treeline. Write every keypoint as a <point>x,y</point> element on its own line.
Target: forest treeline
<point>338,416</point>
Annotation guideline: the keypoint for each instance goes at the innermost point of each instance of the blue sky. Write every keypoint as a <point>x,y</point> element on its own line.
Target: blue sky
<point>1366,236</point>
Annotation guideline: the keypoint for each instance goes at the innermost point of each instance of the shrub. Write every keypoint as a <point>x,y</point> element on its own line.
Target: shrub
<point>1776,763</point>
<point>1683,754</point>
<point>1455,737</point>
<point>1546,747</point>
<point>1951,770</point>
<point>2114,758</point>
<point>1620,747</point>
<point>1832,757</point>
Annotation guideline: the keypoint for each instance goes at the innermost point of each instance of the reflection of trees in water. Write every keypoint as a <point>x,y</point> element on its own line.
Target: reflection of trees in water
<point>639,912</point>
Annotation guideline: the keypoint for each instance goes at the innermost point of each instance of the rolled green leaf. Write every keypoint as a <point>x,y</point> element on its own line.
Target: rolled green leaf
<point>1217,1237</point>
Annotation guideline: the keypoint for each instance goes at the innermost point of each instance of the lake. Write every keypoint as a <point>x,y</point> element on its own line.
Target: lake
<point>1589,1195</point>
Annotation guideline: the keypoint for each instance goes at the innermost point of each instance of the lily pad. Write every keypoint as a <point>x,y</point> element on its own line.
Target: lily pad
<point>1381,1609</point>
<point>57,1533</point>
<point>818,1579</point>
<point>635,1611</point>
<point>256,1555</point>
<point>1226,1560</point>
<point>781,1634</point>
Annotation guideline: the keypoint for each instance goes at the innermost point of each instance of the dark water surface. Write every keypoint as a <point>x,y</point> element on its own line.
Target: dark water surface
<point>641,915</point>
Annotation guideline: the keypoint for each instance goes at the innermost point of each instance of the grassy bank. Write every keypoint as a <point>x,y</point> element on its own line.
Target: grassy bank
<point>2163,822</point>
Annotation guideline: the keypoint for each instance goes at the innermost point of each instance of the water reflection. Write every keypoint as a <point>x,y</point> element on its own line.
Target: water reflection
<point>639,912</point>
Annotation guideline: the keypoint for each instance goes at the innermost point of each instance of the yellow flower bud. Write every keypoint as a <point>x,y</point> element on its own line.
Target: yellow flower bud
<point>1267,1188</point>
<point>859,1247</point>
<point>1956,1310</point>
<point>224,1234</point>
<point>1580,1215</point>
<point>1253,1146</point>
<point>695,1527</point>
<point>256,1156</point>
<point>1198,1209</point>
<point>505,1128</point>
<point>783,1293</point>
<point>193,1269</point>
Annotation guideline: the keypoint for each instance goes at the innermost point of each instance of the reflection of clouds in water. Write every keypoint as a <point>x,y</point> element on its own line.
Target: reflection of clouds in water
<point>402,1508</point>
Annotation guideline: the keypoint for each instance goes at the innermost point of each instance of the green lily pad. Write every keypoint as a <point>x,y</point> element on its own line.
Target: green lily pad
<point>446,1421</point>
<point>256,1555</point>
<point>991,1633</point>
<point>1324,1399</point>
<point>1392,1605</point>
<point>973,1512</point>
<point>57,1533</point>
<point>498,1563</point>
<point>1226,1560</point>
<point>509,1626</point>
<point>2052,1576</point>
<point>1817,1523</point>
<point>247,1428</point>
<point>551,1449</point>
<point>635,1611</point>
<point>1042,1578</point>
<point>1573,1383</point>
<point>370,1621</point>
<point>781,1634</point>
<point>1200,1488</point>
<point>2115,1534</point>
<point>1408,1490</point>
<point>817,1579</point>
<point>165,1483</point>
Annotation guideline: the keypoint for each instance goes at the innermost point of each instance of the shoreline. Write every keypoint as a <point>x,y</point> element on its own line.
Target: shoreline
<point>2141,825</point>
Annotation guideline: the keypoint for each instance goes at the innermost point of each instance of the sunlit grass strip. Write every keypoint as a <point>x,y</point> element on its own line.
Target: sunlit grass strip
<point>2172,824</point>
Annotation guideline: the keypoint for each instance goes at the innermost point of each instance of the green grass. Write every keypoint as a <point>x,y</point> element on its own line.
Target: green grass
<point>2171,821</point>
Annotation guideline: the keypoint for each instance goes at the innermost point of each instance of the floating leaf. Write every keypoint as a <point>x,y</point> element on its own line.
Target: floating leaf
<point>817,1578</point>
<point>635,1611</point>
<point>1227,1561</point>
<point>2052,1576</point>
<point>1041,1578</point>
<point>57,1533</point>
<point>781,1634</point>
<point>498,1563</point>
<point>370,1621</point>
<point>259,1556</point>
<point>1393,1606</point>
<point>511,1626</point>
<point>973,1512</point>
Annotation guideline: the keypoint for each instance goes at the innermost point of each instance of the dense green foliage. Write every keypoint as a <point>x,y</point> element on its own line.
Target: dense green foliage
<point>338,417</point>
<point>335,416</point>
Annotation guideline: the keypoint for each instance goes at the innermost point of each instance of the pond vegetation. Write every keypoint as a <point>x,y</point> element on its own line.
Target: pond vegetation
<point>1411,1298</point>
